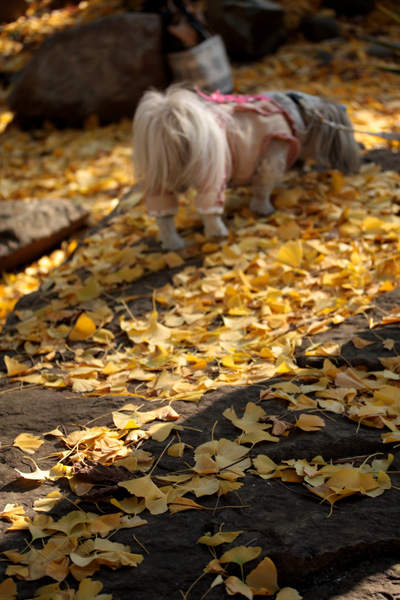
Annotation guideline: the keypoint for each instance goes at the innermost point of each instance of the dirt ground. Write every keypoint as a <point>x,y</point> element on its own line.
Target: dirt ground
<point>352,555</point>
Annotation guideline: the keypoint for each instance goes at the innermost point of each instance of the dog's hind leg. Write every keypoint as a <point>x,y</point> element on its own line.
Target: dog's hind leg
<point>269,172</point>
<point>170,238</point>
<point>214,226</point>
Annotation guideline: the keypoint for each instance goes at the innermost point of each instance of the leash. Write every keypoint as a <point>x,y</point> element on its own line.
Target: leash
<point>317,115</point>
<point>391,136</point>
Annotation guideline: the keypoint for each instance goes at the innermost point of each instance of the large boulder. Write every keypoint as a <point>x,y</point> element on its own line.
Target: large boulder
<point>29,228</point>
<point>101,68</point>
<point>12,10</point>
<point>250,28</point>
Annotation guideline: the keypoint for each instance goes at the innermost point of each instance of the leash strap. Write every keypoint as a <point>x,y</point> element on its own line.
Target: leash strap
<point>315,114</point>
<point>391,136</point>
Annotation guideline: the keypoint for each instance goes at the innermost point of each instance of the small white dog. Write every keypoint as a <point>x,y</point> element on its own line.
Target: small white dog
<point>185,139</point>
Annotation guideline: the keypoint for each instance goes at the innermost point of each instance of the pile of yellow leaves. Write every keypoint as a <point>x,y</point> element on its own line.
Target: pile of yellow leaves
<point>327,252</point>
<point>329,481</point>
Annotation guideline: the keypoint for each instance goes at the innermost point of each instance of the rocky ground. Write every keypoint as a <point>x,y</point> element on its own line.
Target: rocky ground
<point>353,553</point>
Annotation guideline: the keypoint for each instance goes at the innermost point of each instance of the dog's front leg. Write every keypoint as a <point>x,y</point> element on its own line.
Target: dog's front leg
<point>214,226</point>
<point>170,239</point>
<point>270,171</point>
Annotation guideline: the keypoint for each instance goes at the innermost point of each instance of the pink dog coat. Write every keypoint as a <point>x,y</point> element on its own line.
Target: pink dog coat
<point>255,122</point>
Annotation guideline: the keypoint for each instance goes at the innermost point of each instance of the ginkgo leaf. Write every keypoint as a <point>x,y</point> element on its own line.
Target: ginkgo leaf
<point>81,386</point>
<point>157,505</point>
<point>48,502</point>
<point>390,438</point>
<point>127,522</point>
<point>378,465</point>
<point>205,465</point>
<point>263,580</point>
<point>83,329</point>
<point>264,465</point>
<point>180,504</point>
<point>8,589</point>
<point>14,367</point>
<point>288,593</point>
<point>229,362</point>
<point>279,427</point>
<point>131,506</point>
<point>309,422</point>
<point>257,436</point>
<point>176,450</point>
<point>104,524</point>
<point>91,290</point>
<point>222,537</point>
<point>389,344</point>
<point>250,420</point>
<point>89,590</point>
<point>291,253</point>
<point>361,343</point>
<point>160,431</point>
<point>351,479</point>
<point>37,475</point>
<point>12,512</point>
<point>19,571</point>
<point>123,421</point>
<point>241,554</point>
<point>102,551</point>
<point>217,581</point>
<point>326,493</point>
<point>143,487</point>
<point>332,406</point>
<point>350,378</point>
<point>58,569</point>
<point>288,197</point>
<point>234,586</point>
<point>202,486</point>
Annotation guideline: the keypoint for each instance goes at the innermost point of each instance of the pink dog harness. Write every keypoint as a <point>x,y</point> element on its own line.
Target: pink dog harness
<point>256,121</point>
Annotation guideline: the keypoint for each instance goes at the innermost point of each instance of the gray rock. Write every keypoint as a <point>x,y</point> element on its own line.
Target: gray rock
<point>29,228</point>
<point>317,29</point>
<point>249,28</point>
<point>101,68</point>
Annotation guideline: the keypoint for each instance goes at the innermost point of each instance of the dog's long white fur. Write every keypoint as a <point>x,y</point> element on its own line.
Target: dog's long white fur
<point>180,142</point>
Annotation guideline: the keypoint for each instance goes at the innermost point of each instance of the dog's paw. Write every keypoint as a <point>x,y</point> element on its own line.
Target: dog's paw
<point>177,243</point>
<point>214,226</point>
<point>263,209</point>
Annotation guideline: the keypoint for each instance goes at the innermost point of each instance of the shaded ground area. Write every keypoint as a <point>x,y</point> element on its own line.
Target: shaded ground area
<point>284,519</point>
<point>352,554</point>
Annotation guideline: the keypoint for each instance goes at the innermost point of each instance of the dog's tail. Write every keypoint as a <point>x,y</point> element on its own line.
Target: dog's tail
<point>329,135</point>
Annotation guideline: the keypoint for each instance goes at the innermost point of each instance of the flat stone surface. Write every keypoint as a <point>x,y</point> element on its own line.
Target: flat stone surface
<point>30,228</point>
<point>290,524</point>
<point>285,520</point>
